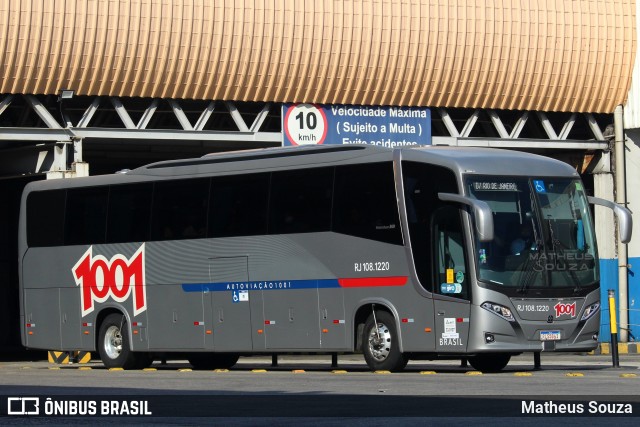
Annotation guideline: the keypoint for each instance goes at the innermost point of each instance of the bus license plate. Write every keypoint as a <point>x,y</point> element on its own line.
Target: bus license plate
<point>549,335</point>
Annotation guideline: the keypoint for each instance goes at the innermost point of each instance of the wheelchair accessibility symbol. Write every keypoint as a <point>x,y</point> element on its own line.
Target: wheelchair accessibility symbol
<point>539,184</point>
<point>240,296</point>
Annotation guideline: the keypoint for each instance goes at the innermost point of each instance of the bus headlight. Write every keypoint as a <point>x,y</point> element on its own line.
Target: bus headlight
<point>499,310</point>
<point>590,311</point>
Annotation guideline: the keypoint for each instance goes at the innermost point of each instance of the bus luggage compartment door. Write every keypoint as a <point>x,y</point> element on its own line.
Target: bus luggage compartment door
<point>231,308</point>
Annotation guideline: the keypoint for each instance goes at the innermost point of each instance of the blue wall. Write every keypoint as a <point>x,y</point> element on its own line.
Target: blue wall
<point>609,280</point>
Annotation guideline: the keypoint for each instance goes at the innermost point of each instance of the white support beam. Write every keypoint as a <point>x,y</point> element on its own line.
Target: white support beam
<point>448,122</point>
<point>60,157</point>
<point>593,125</point>
<point>180,115</point>
<point>6,101</point>
<point>517,129</point>
<point>148,113</point>
<point>260,118</point>
<point>564,133</point>
<point>89,112</point>
<point>237,118</point>
<point>205,116</point>
<point>497,123</point>
<point>524,143</point>
<point>122,113</point>
<point>42,112</point>
<point>546,125</point>
<point>178,135</point>
<point>471,122</point>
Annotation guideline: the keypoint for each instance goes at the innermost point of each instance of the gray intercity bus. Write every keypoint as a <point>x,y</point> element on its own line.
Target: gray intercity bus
<point>407,253</point>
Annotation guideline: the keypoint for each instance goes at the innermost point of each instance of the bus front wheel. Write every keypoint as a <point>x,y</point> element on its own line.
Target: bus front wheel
<point>113,344</point>
<point>490,362</point>
<point>380,343</point>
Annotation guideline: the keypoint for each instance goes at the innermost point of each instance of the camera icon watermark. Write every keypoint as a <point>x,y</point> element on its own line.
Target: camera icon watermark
<point>23,406</point>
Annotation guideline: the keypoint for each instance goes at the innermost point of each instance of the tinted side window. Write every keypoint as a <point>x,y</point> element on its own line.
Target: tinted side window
<point>239,205</point>
<point>301,201</point>
<point>129,213</point>
<point>365,202</point>
<point>86,216</point>
<point>180,209</point>
<point>45,218</point>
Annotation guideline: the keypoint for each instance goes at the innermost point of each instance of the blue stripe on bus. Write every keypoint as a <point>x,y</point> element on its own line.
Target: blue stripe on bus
<point>267,285</point>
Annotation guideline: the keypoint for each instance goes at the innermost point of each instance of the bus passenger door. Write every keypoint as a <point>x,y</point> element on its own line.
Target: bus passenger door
<point>231,316</point>
<point>451,295</point>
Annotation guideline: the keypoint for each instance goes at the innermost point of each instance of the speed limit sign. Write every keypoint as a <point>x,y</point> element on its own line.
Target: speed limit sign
<point>305,124</point>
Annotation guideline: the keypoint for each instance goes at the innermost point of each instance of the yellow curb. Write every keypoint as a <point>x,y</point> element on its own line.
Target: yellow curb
<point>185,370</point>
<point>85,368</point>
<point>522,374</point>
<point>574,374</point>
<point>427,372</point>
<point>473,373</point>
<point>25,367</point>
<point>259,371</point>
<point>338,371</point>
<point>382,372</point>
<point>150,369</point>
<point>54,368</point>
<point>116,369</point>
<point>298,371</point>
<point>628,375</point>
<point>220,370</point>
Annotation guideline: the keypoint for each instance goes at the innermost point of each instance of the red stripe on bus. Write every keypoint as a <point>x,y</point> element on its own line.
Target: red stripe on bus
<point>365,282</point>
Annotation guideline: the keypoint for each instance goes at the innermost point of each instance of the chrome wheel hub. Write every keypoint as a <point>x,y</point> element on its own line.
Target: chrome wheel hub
<point>380,342</point>
<point>113,342</point>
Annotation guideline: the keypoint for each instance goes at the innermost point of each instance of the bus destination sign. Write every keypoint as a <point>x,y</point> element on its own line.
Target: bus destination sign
<point>494,186</point>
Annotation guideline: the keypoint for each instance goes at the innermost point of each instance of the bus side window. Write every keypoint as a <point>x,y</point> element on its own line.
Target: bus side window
<point>129,213</point>
<point>180,209</point>
<point>365,203</point>
<point>86,216</point>
<point>450,260</point>
<point>238,205</point>
<point>45,230</point>
<point>301,201</point>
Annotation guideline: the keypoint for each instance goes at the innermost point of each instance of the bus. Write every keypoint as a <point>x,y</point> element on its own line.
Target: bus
<point>401,254</point>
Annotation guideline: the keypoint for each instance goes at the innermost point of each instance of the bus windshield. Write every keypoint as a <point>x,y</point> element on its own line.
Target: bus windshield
<point>543,235</point>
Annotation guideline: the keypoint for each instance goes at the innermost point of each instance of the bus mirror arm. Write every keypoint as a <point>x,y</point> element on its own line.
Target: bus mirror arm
<point>481,211</point>
<point>625,222</point>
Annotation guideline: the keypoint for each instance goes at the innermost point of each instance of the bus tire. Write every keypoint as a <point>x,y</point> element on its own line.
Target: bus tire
<point>113,343</point>
<point>381,348</point>
<point>490,362</point>
<point>208,361</point>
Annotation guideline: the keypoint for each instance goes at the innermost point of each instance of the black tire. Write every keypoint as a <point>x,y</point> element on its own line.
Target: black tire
<point>113,344</point>
<point>209,361</point>
<point>490,362</point>
<point>381,348</point>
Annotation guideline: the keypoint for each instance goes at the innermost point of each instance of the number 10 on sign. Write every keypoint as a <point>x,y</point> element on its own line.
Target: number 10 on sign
<point>305,124</point>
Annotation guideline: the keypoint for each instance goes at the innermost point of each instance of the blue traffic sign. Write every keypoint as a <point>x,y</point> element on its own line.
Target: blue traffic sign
<point>314,124</point>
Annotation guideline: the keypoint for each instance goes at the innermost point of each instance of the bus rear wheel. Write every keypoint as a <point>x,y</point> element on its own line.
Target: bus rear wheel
<point>380,344</point>
<point>490,362</point>
<point>208,361</point>
<point>114,347</point>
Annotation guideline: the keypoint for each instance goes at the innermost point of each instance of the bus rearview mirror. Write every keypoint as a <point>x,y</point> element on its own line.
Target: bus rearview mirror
<point>625,222</point>
<point>481,212</point>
